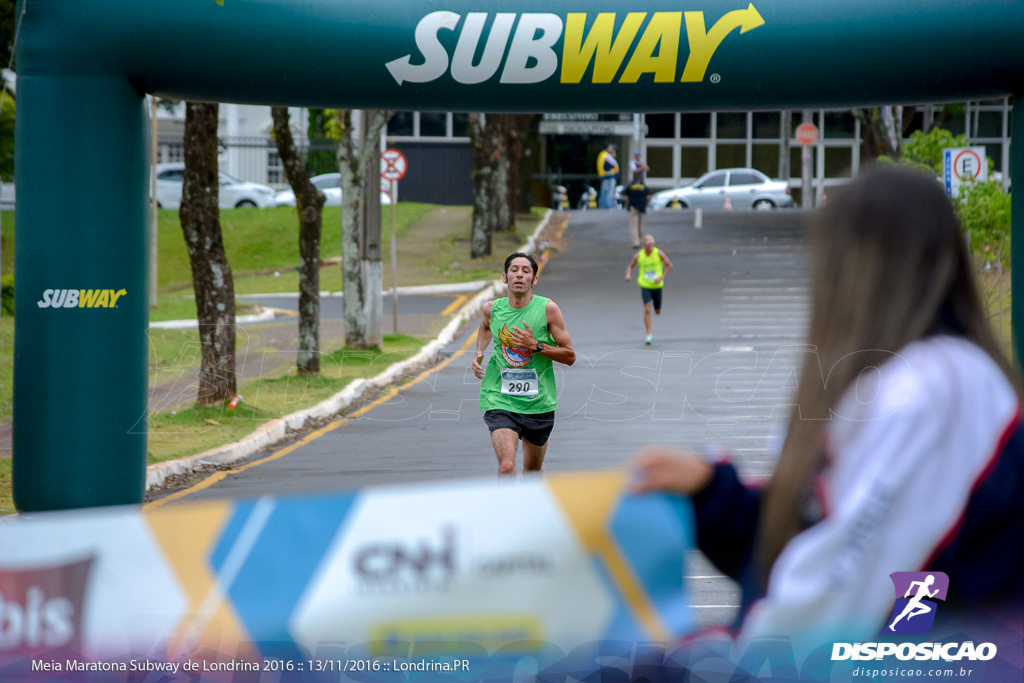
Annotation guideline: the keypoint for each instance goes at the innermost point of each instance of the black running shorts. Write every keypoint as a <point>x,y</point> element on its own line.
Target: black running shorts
<point>534,428</point>
<point>650,295</point>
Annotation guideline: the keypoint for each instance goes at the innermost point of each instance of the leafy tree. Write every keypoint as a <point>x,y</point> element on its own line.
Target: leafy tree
<point>984,212</point>
<point>7,116</point>
<point>309,202</point>
<point>925,149</point>
<point>211,274</point>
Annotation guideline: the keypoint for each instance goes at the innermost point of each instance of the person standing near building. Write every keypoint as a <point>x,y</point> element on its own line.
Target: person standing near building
<point>518,388</point>
<point>637,196</point>
<point>654,266</point>
<point>637,165</point>
<point>608,172</point>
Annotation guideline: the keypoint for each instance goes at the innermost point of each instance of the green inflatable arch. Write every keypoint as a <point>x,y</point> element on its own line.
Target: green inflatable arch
<point>84,66</point>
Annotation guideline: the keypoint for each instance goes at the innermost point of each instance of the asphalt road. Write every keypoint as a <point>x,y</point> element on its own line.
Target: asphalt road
<point>721,369</point>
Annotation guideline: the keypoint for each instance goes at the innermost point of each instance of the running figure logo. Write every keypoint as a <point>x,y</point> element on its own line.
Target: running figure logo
<point>516,356</point>
<point>914,613</point>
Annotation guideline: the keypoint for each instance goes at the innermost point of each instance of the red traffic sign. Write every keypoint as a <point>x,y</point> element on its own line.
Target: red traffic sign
<point>807,133</point>
<point>392,165</point>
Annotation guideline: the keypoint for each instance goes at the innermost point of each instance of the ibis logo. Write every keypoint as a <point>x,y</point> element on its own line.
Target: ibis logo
<point>621,47</point>
<point>80,298</point>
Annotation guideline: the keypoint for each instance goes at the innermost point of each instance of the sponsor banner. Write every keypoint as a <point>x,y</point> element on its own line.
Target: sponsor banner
<point>567,578</point>
<point>459,571</point>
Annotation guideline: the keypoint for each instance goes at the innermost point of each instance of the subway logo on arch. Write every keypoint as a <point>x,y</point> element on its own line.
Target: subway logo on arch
<point>80,298</point>
<point>529,55</point>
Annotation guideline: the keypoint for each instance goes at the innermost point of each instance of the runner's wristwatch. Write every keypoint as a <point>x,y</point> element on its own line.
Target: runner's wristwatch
<point>540,347</point>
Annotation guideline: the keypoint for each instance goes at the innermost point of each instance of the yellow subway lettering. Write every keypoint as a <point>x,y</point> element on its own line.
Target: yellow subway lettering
<point>704,43</point>
<point>602,46</point>
<point>662,34</point>
<point>114,296</point>
<point>88,298</point>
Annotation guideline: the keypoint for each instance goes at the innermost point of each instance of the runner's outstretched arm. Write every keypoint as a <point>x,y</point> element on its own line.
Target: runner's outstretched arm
<point>629,268</point>
<point>483,340</point>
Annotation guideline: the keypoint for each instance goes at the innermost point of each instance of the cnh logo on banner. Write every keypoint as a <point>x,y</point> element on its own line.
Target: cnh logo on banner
<point>914,612</point>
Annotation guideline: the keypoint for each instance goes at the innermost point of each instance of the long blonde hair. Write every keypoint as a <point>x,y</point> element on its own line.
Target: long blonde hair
<point>889,265</point>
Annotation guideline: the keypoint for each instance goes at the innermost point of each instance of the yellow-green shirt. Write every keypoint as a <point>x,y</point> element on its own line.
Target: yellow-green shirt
<point>651,268</point>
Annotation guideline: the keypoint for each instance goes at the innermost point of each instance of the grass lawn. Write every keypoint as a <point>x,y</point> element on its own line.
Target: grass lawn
<point>186,432</point>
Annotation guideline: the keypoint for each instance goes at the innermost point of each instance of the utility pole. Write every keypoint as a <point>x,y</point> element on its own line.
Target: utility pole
<point>806,191</point>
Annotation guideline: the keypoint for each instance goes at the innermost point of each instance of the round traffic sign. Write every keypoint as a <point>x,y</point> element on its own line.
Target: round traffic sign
<point>392,165</point>
<point>807,133</point>
<point>968,165</point>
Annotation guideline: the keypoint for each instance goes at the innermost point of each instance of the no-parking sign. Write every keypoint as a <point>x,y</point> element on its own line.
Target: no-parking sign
<point>963,164</point>
<point>392,165</point>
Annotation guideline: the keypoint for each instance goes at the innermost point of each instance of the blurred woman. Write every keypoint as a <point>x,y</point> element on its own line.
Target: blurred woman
<point>903,450</point>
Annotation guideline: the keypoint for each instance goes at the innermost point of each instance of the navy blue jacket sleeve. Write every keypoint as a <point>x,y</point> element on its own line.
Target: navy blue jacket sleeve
<point>727,514</point>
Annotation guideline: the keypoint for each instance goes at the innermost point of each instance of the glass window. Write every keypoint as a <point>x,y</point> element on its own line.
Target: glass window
<point>840,124</point>
<point>695,126</point>
<point>400,123</point>
<point>955,123</point>
<point>660,161</point>
<point>433,124</point>
<point>693,162</point>
<point>460,125</point>
<point>765,158</point>
<point>916,122</point>
<point>766,124</point>
<point>744,178</point>
<point>731,156</point>
<point>275,170</point>
<point>795,167</point>
<point>661,125</point>
<point>838,162</point>
<point>994,150</point>
<point>990,124</point>
<point>713,180</point>
<point>732,125</point>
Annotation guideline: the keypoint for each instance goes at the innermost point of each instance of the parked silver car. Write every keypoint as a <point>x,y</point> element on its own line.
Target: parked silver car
<point>746,188</point>
<point>330,185</point>
<point>233,193</point>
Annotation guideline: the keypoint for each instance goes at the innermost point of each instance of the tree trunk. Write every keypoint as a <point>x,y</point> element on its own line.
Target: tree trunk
<point>211,273</point>
<point>516,130</point>
<point>874,135</point>
<point>309,203</point>
<point>529,157</point>
<point>480,238</point>
<point>497,127</point>
<point>356,169</point>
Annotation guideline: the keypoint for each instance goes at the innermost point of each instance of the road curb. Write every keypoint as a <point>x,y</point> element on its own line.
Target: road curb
<point>192,324</point>
<point>276,430</point>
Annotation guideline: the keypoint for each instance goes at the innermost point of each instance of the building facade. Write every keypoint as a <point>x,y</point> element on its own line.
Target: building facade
<point>678,147</point>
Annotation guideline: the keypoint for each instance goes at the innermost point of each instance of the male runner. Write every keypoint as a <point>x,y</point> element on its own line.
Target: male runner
<point>654,266</point>
<point>518,389</point>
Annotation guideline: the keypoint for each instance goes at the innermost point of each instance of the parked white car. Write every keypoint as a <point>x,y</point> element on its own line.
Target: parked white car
<point>746,188</point>
<point>234,193</point>
<point>330,185</point>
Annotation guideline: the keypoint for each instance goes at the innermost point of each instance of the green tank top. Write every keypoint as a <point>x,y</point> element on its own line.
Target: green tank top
<point>517,379</point>
<point>651,268</point>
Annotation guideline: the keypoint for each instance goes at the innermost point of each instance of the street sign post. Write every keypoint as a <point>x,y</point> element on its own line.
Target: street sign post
<point>392,168</point>
<point>806,135</point>
<point>963,164</point>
